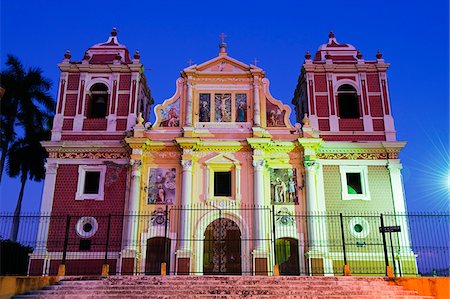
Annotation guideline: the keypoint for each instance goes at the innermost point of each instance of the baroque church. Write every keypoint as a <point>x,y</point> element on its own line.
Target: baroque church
<point>222,182</point>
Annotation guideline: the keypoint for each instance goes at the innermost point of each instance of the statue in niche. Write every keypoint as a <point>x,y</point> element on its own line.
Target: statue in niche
<point>241,107</point>
<point>204,111</point>
<point>280,191</point>
<point>283,185</point>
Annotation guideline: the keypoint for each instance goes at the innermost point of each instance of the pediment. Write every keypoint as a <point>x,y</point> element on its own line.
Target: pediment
<point>221,64</point>
<point>222,159</point>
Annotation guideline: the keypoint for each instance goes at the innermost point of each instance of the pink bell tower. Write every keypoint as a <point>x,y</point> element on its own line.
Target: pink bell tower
<point>345,97</point>
<point>99,100</point>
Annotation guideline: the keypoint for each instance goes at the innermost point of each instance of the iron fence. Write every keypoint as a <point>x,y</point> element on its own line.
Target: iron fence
<point>228,240</point>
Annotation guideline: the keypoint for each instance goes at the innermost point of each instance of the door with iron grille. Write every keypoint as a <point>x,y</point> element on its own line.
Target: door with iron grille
<point>222,248</point>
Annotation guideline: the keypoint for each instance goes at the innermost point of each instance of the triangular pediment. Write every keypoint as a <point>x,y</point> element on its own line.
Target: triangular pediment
<point>221,64</point>
<point>222,159</point>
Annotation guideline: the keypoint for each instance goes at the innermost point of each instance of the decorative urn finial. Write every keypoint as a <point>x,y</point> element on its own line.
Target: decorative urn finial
<point>137,55</point>
<point>140,120</point>
<point>359,55</point>
<point>114,32</point>
<point>86,56</point>
<point>307,55</point>
<point>331,34</point>
<point>306,121</point>
<point>379,55</point>
<point>67,55</point>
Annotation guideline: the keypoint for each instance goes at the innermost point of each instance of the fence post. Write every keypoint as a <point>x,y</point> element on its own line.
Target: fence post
<point>389,272</point>
<point>347,271</point>
<point>276,269</point>
<point>164,263</point>
<point>62,266</point>
<point>105,267</point>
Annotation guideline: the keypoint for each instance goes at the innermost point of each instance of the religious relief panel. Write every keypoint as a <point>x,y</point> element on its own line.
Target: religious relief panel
<point>283,185</point>
<point>170,116</point>
<point>274,115</point>
<point>241,107</point>
<point>161,186</point>
<point>222,103</point>
<point>205,107</point>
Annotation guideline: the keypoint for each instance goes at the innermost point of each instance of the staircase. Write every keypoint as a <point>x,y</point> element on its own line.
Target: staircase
<point>226,287</point>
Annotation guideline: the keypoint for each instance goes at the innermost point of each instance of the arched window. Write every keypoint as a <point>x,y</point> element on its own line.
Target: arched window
<point>348,102</point>
<point>98,102</point>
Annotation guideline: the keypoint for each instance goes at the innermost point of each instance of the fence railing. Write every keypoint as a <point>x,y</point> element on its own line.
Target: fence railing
<point>228,240</point>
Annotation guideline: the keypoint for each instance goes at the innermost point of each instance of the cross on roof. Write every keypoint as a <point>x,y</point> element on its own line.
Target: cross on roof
<point>255,61</point>
<point>190,61</point>
<point>222,36</point>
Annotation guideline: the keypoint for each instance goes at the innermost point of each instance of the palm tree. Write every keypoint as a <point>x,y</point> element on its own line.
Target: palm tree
<point>23,91</point>
<point>26,158</point>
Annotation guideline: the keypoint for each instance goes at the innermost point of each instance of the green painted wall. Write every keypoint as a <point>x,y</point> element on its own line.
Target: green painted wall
<point>379,188</point>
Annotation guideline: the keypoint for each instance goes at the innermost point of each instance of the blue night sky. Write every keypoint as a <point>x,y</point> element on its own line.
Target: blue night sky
<point>413,37</point>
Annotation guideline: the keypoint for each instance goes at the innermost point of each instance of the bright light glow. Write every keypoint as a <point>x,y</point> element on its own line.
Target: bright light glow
<point>432,191</point>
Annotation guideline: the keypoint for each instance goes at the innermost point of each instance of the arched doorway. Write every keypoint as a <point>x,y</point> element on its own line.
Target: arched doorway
<point>222,248</point>
<point>158,251</point>
<point>287,256</point>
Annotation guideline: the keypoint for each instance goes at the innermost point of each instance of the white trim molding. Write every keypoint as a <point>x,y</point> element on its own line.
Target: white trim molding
<point>82,169</point>
<point>363,172</point>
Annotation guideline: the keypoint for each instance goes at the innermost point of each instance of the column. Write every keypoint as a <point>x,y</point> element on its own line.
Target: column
<point>256,102</point>
<point>184,246</point>
<point>131,221</point>
<point>133,204</point>
<point>189,104</point>
<point>39,256</point>
<point>258,195</point>
<point>186,195</point>
<point>260,248</point>
<point>311,205</point>
<point>398,196</point>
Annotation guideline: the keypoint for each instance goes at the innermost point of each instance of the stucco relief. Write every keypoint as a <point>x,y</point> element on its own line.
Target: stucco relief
<point>87,155</point>
<point>161,186</point>
<point>352,156</point>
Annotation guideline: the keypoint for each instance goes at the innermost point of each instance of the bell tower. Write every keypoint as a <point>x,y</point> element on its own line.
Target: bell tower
<point>344,95</point>
<point>101,95</point>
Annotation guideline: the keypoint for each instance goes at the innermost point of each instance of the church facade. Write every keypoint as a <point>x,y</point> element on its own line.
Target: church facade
<point>222,182</point>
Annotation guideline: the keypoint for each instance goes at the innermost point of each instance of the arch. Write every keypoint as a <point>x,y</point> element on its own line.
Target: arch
<point>98,80</point>
<point>287,256</point>
<point>222,248</point>
<point>98,100</point>
<point>206,220</point>
<point>347,100</point>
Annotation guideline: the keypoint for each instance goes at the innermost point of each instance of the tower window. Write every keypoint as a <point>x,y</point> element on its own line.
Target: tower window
<point>222,183</point>
<point>348,102</point>
<point>98,101</point>
<point>91,182</point>
<point>354,183</point>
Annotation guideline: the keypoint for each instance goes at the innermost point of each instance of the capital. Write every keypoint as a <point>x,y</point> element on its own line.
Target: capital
<point>187,165</point>
<point>51,167</point>
<point>258,164</point>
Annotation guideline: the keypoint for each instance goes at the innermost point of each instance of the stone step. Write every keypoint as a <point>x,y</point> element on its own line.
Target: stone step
<point>188,296</point>
<point>226,287</point>
<point>223,287</point>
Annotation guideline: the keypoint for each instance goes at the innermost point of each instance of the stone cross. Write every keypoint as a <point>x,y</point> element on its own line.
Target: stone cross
<point>223,36</point>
